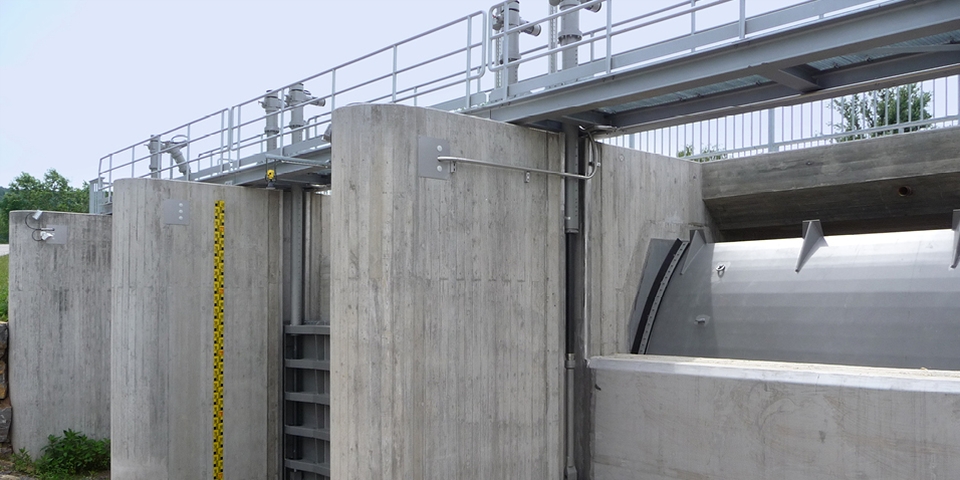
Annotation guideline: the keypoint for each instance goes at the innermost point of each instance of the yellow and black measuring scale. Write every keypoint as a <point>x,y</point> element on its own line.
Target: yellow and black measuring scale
<point>218,243</point>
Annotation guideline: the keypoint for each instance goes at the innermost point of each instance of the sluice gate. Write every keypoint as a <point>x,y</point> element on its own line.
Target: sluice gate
<point>879,300</point>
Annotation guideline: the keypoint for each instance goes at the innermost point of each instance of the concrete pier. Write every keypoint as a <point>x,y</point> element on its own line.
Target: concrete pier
<point>59,345</point>
<point>162,337</point>
<point>446,302</point>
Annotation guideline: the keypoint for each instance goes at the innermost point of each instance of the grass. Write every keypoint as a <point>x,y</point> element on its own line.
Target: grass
<point>4,286</point>
<point>72,456</point>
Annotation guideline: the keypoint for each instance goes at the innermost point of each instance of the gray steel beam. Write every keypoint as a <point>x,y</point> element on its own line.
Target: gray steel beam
<point>883,26</point>
<point>878,74</point>
<point>318,161</point>
<point>797,78</point>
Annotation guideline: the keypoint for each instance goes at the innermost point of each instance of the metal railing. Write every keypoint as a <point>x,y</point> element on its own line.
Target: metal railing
<point>905,108</point>
<point>425,70</point>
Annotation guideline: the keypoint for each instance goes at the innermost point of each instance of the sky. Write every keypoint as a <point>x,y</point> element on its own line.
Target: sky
<point>83,78</point>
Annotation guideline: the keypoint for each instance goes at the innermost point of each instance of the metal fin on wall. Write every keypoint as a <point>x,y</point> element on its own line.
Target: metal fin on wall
<point>697,241</point>
<point>956,238</point>
<point>812,238</point>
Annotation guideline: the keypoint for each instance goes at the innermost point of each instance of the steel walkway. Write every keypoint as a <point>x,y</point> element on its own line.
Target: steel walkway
<point>752,59</point>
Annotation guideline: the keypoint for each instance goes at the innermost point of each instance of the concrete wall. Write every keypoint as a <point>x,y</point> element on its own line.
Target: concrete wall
<point>162,337</point>
<point>316,254</point>
<point>59,346</point>
<point>446,303</point>
<point>637,196</point>
<point>851,187</point>
<point>677,417</point>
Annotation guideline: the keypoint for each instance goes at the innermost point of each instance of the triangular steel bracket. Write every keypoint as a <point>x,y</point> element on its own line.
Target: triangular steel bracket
<point>812,235</point>
<point>697,242</point>
<point>956,238</point>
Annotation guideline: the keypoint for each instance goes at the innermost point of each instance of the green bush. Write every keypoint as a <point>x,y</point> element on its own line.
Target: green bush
<point>72,454</point>
<point>22,461</point>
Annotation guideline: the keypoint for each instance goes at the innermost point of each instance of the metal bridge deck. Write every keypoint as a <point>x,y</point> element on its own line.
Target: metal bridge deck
<point>807,50</point>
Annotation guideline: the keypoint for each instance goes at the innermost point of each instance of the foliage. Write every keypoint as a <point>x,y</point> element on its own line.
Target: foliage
<point>22,461</point>
<point>688,152</point>
<point>4,286</point>
<point>888,106</point>
<point>66,456</point>
<point>53,193</point>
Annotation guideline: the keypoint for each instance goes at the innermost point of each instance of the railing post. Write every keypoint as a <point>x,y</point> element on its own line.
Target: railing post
<point>393,97</point>
<point>466,74</point>
<point>771,131</point>
<point>609,33</point>
<point>743,19</point>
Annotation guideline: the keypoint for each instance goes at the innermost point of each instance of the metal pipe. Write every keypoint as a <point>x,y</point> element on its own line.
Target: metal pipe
<point>297,98</point>
<point>574,285</point>
<point>512,51</point>
<point>571,135</point>
<point>296,255</point>
<point>569,33</point>
<point>272,104</point>
<point>571,467</point>
<point>174,149</point>
<point>154,146</point>
<point>456,160</point>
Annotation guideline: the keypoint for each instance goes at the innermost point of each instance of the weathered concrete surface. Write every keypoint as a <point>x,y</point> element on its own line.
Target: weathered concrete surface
<point>59,346</point>
<point>316,254</point>
<point>679,417</point>
<point>635,197</point>
<point>162,338</point>
<point>851,187</point>
<point>446,303</point>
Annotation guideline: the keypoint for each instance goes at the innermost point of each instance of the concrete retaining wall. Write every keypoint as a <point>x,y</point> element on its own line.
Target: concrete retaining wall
<point>677,417</point>
<point>162,338</point>
<point>59,346</point>
<point>447,301</point>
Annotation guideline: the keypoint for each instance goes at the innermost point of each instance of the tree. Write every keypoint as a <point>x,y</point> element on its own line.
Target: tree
<point>887,106</point>
<point>53,193</point>
<point>688,152</point>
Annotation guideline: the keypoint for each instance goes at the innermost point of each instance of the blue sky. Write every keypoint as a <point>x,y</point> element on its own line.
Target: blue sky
<point>82,78</point>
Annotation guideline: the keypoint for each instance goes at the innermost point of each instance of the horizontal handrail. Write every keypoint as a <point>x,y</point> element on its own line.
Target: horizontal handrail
<point>483,163</point>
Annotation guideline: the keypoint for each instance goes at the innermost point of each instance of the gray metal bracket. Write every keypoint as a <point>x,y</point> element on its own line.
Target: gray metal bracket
<point>429,150</point>
<point>61,234</point>
<point>812,239</point>
<point>175,212</point>
<point>697,242</point>
<point>956,238</point>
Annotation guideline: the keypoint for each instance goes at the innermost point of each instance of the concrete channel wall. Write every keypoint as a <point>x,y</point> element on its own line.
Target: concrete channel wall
<point>163,331</point>
<point>636,197</point>
<point>447,301</point>
<point>59,345</point>
<point>662,418</point>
